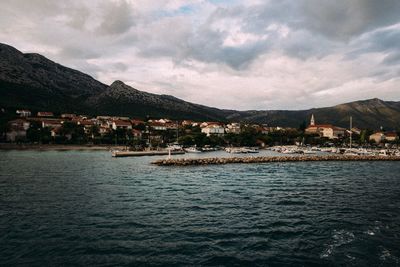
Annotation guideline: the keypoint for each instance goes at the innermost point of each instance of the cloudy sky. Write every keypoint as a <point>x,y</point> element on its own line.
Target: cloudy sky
<point>239,54</point>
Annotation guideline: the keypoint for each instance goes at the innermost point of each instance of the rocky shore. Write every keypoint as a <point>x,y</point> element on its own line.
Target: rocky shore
<point>49,147</point>
<point>219,161</point>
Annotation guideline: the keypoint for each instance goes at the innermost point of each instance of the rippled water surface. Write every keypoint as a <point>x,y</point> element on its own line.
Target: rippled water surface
<point>86,208</point>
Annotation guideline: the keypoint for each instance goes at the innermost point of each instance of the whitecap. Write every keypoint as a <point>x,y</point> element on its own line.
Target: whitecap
<point>339,238</point>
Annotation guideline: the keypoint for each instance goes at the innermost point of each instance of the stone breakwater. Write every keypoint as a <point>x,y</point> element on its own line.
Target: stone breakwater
<point>220,161</point>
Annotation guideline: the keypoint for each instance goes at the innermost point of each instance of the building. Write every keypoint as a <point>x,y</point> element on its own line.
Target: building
<point>356,131</point>
<point>333,132</point>
<point>136,134</point>
<point>121,124</point>
<point>262,129</point>
<point>17,130</point>
<point>68,116</point>
<point>87,125</point>
<point>233,128</point>
<point>23,112</point>
<point>213,129</point>
<point>325,130</point>
<point>51,123</point>
<point>103,130</point>
<point>158,126</point>
<point>391,137</point>
<point>377,137</point>
<point>171,126</point>
<point>136,122</point>
<point>187,123</point>
<point>45,114</point>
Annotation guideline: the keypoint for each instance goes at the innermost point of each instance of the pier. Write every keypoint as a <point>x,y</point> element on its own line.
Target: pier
<point>267,159</point>
<point>120,154</point>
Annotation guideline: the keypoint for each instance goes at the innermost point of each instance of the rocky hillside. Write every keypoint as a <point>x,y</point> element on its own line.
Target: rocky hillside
<point>372,113</point>
<point>34,82</point>
<point>121,99</point>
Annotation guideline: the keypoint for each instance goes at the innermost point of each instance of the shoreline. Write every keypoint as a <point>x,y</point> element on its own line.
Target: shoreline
<point>267,159</point>
<point>47,147</point>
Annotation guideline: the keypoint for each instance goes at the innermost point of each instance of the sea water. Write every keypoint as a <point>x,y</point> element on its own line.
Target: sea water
<point>87,208</point>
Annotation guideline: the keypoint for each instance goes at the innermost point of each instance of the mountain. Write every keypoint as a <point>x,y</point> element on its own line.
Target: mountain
<point>372,114</point>
<point>34,82</point>
<point>120,98</point>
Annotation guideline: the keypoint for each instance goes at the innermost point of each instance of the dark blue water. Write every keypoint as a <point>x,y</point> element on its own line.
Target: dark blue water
<point>86,208</point>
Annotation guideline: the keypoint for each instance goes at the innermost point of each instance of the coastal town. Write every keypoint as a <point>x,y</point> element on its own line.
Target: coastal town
<point>45,127</point>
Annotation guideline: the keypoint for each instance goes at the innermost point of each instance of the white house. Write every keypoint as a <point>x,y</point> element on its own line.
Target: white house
<point>213,129</point>
<point>120,124</point>
<point>377,137</point>
<point>233,128</point>
<point>23,113</point>
<point>17,130</point>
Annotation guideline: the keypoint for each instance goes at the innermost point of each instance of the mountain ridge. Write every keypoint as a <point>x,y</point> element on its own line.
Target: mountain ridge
<point>32,81</point>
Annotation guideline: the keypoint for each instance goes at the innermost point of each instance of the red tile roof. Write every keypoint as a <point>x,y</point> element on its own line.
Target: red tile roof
<point>122,123</point>
<point>45,114</point>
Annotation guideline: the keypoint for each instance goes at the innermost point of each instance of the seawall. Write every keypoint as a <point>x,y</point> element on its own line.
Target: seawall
<point>220,161</point>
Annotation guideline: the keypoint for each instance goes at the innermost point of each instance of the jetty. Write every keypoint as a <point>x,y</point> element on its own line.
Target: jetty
<point>120,154</point>
<point>268,159</point>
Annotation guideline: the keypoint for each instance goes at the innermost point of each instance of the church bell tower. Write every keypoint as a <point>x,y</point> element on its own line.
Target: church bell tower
<point>312,121</point>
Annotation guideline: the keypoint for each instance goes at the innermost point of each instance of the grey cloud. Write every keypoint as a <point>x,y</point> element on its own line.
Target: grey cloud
<point>77,51</point>
<point>119,66</point>
<point>382,41</point>
<point>118,18</point>
<point>346,19</point>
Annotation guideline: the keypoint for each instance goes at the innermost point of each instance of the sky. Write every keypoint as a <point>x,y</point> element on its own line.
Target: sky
<point>250,54</point>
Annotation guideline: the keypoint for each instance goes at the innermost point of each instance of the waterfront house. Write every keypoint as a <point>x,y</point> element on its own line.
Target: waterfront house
<point>233,127</point>
<point>87,125</point>
<point>45,114</point>
<point>158,126</point>
<point>391,137</point>
<point>377,137</point>
<point>213,129</point>
<point>23,112</point>
<point>17,130</point>
<point>325,130</point>
<point>121,124</point>
<point>51,123</point>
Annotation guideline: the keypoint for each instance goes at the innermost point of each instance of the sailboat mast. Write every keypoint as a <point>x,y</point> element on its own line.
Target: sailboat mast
<point>351,132</point>
<point>177,132</point>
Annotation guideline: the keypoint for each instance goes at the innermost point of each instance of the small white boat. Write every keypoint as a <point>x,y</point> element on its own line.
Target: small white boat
<point>383,153</point>
<point>234,150</point>
<point>175,147</point>
<point>288,151</point>
<point>249,150</point>
<point>192,150</point>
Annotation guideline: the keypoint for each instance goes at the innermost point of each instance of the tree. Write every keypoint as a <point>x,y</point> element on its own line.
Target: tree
<point>186,140</point>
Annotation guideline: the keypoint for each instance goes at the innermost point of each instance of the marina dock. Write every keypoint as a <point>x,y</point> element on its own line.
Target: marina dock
<point>220,161</point>
<point>120,154</point>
